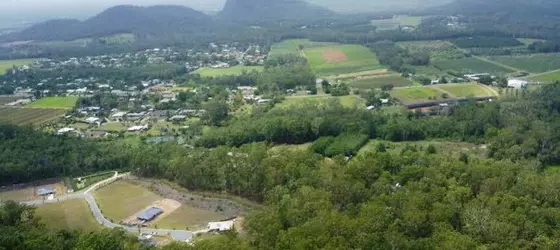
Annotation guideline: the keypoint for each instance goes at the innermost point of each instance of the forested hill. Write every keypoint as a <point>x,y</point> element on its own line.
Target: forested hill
<point>258,10</point>
<point>159,19</point>
<point>542,7</point>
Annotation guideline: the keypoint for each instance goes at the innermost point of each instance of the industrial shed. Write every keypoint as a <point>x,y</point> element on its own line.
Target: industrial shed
<point>46,190</point>
<point>150,214</point>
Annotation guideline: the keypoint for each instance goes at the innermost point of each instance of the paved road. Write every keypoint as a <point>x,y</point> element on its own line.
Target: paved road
<point>179,235</point>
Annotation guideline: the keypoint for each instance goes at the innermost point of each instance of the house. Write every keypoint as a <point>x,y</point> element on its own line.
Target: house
<point>93,120</point>
<point>118,115</point>
<point>45,191</point>
<point>137,128</point>
<point>384,101</point>
<point>150,214</point>
<point>517,84</point>
<point>178,118</point>
<point>476,77</point>
<point>220,226</point>
<point>370,107</point>
<point>63,131</point>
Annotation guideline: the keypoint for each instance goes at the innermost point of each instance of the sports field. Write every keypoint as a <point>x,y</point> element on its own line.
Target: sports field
<point>8,64</point>
<point>292,46</point>
<point>341,59</point>
<point>68,215</point>
<point>235,70</point>
<point>536,63</point>
<point>34,116</point>
<point>547,78</point>
<point>378,82</point>
<point>465,90</point>
<point>67,102</point>
<point>346,101</point>
<point>470,65</point>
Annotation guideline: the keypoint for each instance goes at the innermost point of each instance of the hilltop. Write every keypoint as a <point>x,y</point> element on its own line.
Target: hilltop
<point>258,10</point>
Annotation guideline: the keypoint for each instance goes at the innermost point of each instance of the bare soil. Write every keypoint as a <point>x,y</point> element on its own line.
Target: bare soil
<point>335,56</point>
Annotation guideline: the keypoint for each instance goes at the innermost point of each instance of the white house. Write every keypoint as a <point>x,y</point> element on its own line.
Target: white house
<point>137,128</point>
<point>93,120</point>
<point>517,84</point>
<point>220,226</point>
<point>63,131</point>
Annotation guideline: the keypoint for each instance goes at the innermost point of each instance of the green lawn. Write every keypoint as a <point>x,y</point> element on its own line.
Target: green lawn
<point>470,65</point>
<point>358,58</point>
<point>188,217</point>
<point>121,200</point>
<point>292,46</point>
<point>236,70</point>
<point>68,215</point>
<point>54,102</point>
<point>550,77</point>
<point>536,63</point>
<point>466,90</point>
<point>415,94</point>
<point>111,127</point>
<point>8,64</point>
<point>378,82</point>
<point>346,101</point>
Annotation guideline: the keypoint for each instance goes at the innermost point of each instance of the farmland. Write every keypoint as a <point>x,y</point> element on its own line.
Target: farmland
<point>341,59</point>
<point>34,116</point>
<point>466,90</point>
<point>236,70</point>
<point>536,63</point>
<point>471,65</point>
<point>347,101</point>
<point>54,103</point>
<point>549,77</point>
<point>8,64</point>
<point>378,82</point>
<point>415,94</point>
<point>68,215</point>
<point>437,49</point>
<point>292,46</point>
<point>7,99</point>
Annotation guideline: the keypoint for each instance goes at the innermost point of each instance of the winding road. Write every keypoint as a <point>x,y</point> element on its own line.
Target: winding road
<point>178,235</point>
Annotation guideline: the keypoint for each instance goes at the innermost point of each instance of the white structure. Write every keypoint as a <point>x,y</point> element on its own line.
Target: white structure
<point>137,128</point>
<point>220,226</point>
<point>517,84</point>
<point>118,115</point>
<point>64,131</point>
<point>93,120</point>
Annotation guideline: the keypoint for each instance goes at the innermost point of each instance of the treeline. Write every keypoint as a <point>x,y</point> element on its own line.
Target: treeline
<point>545,46</point>
<point>486,42</point>
<point>397,58</point>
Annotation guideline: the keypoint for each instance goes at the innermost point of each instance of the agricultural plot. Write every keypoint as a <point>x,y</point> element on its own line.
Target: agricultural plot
<point>547,78</point>
<point>8,64</point>
<point>465,90</point>
<point>68,215</point>
<point>436,49</point>
<point>7,99</point>
<point>416,95</point>
<point>378,82</point>
<point>236,70</point>
<point>292,46</point>
<point>33,116</point>
<point>67,102</point>
<point>536,63</point>
<point>346,101</point>
<point>341,59</point>
<point>471,65</point>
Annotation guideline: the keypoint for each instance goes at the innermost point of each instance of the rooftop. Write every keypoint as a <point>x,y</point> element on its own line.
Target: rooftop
<point>150,214</point>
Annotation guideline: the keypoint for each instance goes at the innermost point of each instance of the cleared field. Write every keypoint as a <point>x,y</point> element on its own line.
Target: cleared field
<point>119,39</point>
<point>346,101</point>
<point>68,215</point>
<point>528,41</point>
<point>430,71</point>
<point>292,46</point>
<point>7,99</point>
<point>378,82</point>
<point>537,63</point>
<point>416,94</point>
<point>35,116</point>
<point>550,77</point>
<point>121,199</point>
<point>111,127</point>
<point>466,90</point>
<point>188,217</point>
<point>396,21</point>
<point>67,102</point>
<point>236,70</point>
<point>442,147</point>
<point>436,49</point>
<point>369,73</point>
<point>341,59</point>
<point>23,194</point>
<point>470,65</point>
<point>8,64</point>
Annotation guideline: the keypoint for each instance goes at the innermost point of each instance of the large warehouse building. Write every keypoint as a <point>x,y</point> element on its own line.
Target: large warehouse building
<point>150,214</point>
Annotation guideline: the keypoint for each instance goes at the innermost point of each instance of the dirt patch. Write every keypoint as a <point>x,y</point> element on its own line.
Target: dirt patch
<point>166,205</point>
<point>335,56</point>
<point>224,207</point>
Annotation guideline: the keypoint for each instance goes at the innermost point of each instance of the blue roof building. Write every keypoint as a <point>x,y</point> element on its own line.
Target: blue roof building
<point>150,214</point>
<point>46,190</point>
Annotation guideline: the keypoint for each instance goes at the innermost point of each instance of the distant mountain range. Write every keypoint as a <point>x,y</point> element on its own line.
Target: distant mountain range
<point>259,10</point>
<point>543,7</point>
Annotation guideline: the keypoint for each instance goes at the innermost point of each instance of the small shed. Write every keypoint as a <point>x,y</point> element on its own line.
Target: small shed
<point>46,190</point>
<point>150,214</point>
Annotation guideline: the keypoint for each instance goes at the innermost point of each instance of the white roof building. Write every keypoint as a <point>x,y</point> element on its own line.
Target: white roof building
<point>517,83</point>
<point>118,115</point>
<point>137,128</point>
<point>220,226</point>
<point>64,131</point>
<point>92,120</point>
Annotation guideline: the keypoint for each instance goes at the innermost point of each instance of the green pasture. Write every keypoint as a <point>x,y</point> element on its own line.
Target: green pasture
<point>470,65</point>
<point>536,63</point>
<point>378,82</point>
<point>235,70</point>
<point>359,58</point>
<point>8,64</point>
<point>67,102</point>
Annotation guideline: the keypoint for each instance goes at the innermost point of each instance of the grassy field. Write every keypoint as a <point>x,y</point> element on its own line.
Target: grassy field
<point>8,64</point>
<point>470,65</point>
<point>550,77</point>
<point>353,58</point>
<point>396,21</point>
<point>292,46</point>
<point>7,99</point>
<point>236,70</point>
<point>68,215</point>
<point>442,147</point>
<point>23,194</point>
<point>415,94</point>
<point>465,90</point>
<point>119,39</point>
<point>528,41</point>
<point>67,102</point>
<point>121,200</point>
<point>111,127</point>
<point>34,116</point>
<point>437,49</point>
<point>346,101</point>
<point>188,217</point>
<point>429,71</point>
<point>86,181</point>
<point>378,82</point>
<point>537,63</point>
